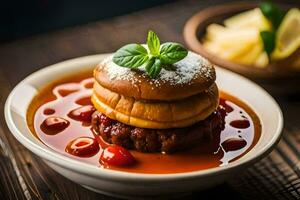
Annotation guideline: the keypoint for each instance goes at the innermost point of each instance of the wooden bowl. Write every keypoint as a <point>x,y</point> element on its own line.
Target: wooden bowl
<point>274,75</point>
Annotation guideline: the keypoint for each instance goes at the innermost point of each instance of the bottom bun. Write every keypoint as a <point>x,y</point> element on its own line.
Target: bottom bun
<point>155,115</point>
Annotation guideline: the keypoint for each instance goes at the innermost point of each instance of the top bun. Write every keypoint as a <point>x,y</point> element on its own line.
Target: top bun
<point>190,76</point>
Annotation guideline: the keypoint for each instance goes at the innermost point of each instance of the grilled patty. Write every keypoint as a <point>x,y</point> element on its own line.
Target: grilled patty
<point>158,140</point>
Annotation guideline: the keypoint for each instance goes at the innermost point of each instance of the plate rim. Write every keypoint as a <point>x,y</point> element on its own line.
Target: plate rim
<point>94,171</point>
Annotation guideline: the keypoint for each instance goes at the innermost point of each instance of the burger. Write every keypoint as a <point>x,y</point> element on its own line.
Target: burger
<point>156,98</point>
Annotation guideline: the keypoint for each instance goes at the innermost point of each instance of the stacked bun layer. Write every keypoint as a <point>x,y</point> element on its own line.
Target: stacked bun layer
<point>155,114</point>
<point>175,99</point>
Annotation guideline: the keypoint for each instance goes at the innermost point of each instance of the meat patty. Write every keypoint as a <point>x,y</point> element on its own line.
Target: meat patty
<point>158,140</point>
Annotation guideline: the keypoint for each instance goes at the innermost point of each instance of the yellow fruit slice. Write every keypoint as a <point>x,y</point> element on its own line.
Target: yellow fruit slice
<point>231,37</point>
<point>249,19</point>
<point>213,30</point>
<point>212,47</point>
<point>236,52</point>
<point>262,60</point>
<point>230,43</point>
<point>238,37</point>
<point>226,52</point>
<point>288,35</point>
<point>239,40</point>
<point>249,57</point>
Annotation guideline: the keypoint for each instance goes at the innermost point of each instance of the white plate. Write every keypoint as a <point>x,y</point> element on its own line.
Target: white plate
<point>123,184</point>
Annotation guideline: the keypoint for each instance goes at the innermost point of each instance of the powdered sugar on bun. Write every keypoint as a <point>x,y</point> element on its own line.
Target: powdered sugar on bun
<point>190,76</point>
<point>191,67</point>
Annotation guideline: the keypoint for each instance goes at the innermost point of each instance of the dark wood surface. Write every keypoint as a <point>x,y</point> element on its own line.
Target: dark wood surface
<point>25,176</point>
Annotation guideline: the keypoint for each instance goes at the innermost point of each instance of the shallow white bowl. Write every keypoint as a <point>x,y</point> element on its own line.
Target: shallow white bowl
<point>125,184</point>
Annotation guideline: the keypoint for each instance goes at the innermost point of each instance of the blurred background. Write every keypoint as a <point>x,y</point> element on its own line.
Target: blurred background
<point>24,18</point>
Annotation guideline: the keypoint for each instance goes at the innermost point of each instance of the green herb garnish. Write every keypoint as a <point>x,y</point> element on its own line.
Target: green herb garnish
<point>268,38</point>
<point>153,43</point>
<point>272,13</point>
<point>158,56</point>
<point>275,16</point>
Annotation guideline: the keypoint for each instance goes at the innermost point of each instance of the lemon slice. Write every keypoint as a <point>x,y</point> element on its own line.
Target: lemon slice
<point>213,30</point>
<point>250,19</point>
<point>249,57</point>
<point>262,60</point>
<point>233,52</point>
<point>288,35</point>
<point>230,36</point>
<point>227,43</point>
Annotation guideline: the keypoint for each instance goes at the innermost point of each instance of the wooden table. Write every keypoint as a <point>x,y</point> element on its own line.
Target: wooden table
<point>24,175</point>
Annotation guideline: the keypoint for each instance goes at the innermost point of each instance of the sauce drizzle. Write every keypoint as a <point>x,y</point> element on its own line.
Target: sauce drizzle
<point>77,140</point>
<point>240,123</point>
<point>49,111</point>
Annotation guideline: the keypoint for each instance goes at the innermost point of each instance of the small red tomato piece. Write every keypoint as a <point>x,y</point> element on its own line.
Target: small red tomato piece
<point>54,125</point>
<point>116,156</point>
<point>83,147</point>
<point>83,113</point>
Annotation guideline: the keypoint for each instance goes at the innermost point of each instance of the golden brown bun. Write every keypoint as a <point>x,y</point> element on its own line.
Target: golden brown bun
<point>190,76</point>
<point>157,114</point>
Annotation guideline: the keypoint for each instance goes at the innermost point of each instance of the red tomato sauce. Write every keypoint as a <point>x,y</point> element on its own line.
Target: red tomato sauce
<point>60,114</point>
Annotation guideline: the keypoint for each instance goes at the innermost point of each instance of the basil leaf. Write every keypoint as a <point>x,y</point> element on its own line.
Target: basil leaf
<point>153,43</point>
<point>135,55</point>
<point>272,13</point>
<point>131,56</point>
<point>268,38</point>
<point>149,64</point>
<point>171,52</point>
<point>153,67</point>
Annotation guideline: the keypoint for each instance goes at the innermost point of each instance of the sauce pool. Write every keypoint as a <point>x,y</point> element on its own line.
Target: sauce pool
<point>72,136</point>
